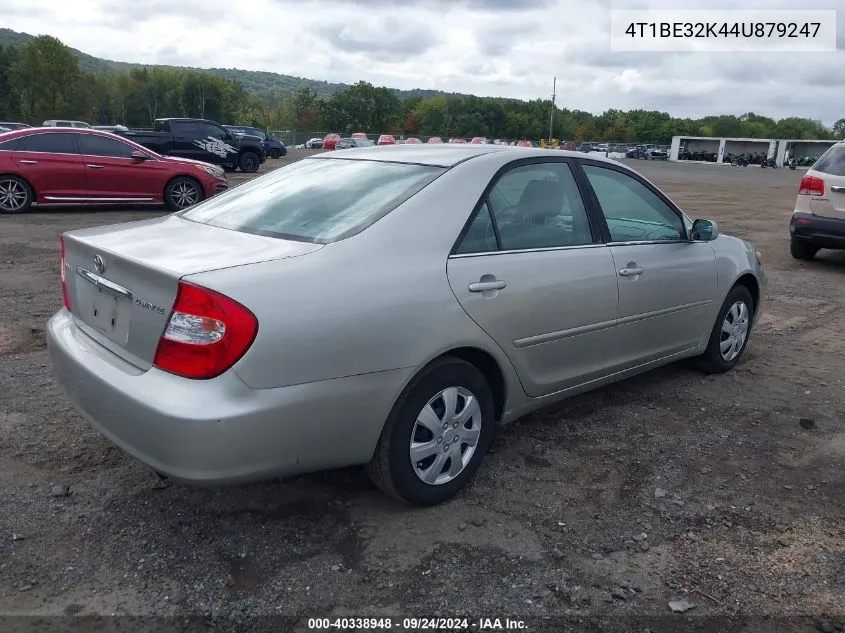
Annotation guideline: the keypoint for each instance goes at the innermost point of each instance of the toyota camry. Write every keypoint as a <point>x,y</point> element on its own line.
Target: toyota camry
<point>388,306</point>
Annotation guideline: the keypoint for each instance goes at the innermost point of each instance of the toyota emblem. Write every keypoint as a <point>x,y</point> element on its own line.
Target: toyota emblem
<point>99,264</point>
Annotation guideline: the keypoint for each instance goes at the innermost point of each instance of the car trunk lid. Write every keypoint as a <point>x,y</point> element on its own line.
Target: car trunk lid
<point>122,280</point>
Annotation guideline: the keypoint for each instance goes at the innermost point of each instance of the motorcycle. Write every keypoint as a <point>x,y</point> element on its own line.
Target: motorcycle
<point>741,160</point>
<point>792,163</point>
<point>769,162</point>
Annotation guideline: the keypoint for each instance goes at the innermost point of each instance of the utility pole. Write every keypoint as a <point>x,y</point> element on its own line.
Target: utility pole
<point>552,113</point>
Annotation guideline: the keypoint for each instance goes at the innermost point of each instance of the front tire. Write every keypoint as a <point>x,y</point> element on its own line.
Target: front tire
<point>276,153</point>
<point>16,196</point>
<point>436,435</point>
<point>730,333</point>
<point>800,249</point>
<point>249,162</point>
<point>182,192</point>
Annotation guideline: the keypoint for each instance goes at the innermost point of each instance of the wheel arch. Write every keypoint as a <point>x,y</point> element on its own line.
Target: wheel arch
<point>753,285</point>
<point>181,175</point>
<point>483,361</point>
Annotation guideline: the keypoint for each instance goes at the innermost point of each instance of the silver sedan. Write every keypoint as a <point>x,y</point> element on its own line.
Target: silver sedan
<point>388,306</point>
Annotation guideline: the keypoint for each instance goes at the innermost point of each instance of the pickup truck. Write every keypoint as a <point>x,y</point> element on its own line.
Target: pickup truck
<point>203,140</point>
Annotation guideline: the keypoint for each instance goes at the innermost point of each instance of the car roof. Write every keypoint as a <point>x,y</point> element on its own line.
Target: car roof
<point>447,155</point>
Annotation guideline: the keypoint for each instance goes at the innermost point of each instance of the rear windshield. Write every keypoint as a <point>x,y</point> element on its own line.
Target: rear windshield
<point>832,161</point>
<point>315,200</point>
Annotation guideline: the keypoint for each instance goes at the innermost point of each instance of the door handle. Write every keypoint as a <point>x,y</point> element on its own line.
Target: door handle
<point>483,286</point>
<point>94,166</point>
<point>29,162</point>
<point>836,188</point>
<point>631,272</point>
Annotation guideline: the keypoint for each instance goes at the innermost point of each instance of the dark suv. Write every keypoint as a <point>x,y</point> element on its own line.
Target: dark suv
<point>273,147</point>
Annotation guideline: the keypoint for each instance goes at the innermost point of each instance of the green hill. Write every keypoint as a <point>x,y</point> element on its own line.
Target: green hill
<point>259,82</point>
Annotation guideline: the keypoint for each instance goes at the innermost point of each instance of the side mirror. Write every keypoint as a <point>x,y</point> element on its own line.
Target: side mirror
<point>139,155</point>
<point>704,231</point>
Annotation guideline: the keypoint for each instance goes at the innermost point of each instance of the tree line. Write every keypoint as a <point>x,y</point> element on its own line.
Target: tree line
<point>42,79</point>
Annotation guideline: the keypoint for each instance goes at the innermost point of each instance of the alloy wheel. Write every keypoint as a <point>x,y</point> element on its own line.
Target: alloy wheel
<point>184,194</point>
<point>13,196</point>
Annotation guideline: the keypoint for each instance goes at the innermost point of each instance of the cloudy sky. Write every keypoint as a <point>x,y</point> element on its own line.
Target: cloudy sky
<point>507,48</point>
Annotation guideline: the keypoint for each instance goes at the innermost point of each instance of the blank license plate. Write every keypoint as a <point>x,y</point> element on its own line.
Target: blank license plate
<point>106,312</point>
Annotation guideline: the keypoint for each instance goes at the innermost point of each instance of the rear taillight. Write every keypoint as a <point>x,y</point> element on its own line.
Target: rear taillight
<point>207,333</point>
<point>64,275</point>
<point>811,186</point>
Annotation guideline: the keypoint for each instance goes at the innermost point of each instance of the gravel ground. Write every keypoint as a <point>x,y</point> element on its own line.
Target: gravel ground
<point>724,492</point>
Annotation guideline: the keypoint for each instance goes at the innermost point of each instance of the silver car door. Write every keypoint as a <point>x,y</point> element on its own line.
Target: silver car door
<point>667,284</point>
<point>530,272</point>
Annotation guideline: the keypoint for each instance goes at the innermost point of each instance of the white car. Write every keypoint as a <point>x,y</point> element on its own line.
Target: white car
<point>314,143</point>
<point>65,123</point>
<point>819,217</point>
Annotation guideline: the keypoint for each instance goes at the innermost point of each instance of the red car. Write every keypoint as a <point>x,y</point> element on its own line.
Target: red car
<point>434,140</point>
<point>386,139</point>
<point>478,140</point>
<point>524,144</point>
<point>412,141</point>
<point>80,166</point>
<point>359,135</point>
<point>330,141</point>
<point>459,141</point>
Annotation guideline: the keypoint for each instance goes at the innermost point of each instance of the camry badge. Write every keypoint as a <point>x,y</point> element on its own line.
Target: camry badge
<point>99,264</point>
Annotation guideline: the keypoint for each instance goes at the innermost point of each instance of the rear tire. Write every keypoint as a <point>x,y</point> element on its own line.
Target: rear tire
<point>16,196</point>
<point>801,249</point>
<point>182,192</point>
<point>249,162</point>
<point>730,334</point>
<point>462,386</point>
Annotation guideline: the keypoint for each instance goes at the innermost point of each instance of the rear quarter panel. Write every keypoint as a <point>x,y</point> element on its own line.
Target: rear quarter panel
<point>373,302</point>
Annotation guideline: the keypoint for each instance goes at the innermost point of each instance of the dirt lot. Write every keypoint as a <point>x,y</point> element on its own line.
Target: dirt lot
<point>670,486</point>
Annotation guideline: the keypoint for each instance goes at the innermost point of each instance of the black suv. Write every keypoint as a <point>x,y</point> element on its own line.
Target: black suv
<point>273,147</point>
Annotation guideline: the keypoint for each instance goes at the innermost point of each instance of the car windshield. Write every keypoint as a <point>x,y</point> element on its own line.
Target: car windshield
<point>315,200</point>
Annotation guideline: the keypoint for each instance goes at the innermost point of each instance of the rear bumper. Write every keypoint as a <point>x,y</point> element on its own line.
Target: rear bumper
<point>220,431</point>
<point>821,232</point>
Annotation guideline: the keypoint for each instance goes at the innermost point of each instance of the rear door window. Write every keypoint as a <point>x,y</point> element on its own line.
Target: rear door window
<point>832,161</point>
<point>184,128</point>
<point>49,142</point>
<point>8,146</point>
